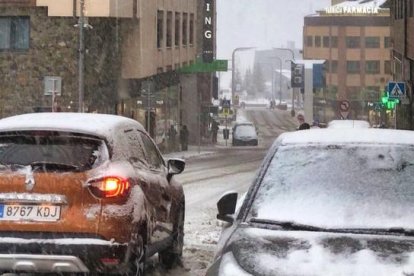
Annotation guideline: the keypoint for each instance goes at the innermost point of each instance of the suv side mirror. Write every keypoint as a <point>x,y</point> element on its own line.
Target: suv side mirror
<point>227,207</point>
<point>175,166</point>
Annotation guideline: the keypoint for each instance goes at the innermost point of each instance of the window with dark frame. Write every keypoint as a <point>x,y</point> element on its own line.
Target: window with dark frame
<point>14,33</point>
<point>353,67</point>
<point>399,9</point>
<point>372,67</point>
<point>326,42</point>
<point>160,31</point>
<point>309,41</point>
<point>184,29</point>
<point>318,42</point>
<point>387,42</point>
<point>353,42</point>
<point>191,29</point>
<point>372,42</point>
<point>177,29</point>
<point>169,29</point>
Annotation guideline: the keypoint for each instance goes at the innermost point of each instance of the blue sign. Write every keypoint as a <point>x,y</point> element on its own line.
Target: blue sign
<point>396,90</point>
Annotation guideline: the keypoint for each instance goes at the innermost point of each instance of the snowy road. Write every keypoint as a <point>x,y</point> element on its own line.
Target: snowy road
<point>207,177</point>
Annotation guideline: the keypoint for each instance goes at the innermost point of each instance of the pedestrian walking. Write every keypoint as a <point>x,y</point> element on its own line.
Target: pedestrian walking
<point>214,131</point>
<point>184,138</point>
<point>172,134</point>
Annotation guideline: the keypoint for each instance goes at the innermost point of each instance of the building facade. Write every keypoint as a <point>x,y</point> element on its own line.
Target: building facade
<point>402,38</point>
<point>133,50</point>
<point>354,39</point>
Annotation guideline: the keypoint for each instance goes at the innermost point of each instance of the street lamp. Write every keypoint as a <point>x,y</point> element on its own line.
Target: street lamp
<point>293,90</point>
<point>233,69</point>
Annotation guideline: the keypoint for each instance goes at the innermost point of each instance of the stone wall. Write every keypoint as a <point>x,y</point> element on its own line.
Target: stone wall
<point>53,51</point>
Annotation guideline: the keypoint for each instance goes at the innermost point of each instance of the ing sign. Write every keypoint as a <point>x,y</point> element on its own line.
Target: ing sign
<point>208,31</point>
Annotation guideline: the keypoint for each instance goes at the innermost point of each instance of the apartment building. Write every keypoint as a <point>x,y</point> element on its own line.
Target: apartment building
<point>354,39</point>
<point>402,38</point>
<point>133,49</point>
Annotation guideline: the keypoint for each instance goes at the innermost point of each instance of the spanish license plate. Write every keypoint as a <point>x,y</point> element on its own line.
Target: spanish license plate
<point>29,212</point>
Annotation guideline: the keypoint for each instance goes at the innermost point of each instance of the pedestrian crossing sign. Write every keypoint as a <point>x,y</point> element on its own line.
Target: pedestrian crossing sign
<point>396,90</point>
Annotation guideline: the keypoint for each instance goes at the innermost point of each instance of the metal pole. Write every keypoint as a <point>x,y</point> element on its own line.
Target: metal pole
<point>233,69</point>
<point>293,89</point>
<point>395,116</point>
<point>148,109</point>
<point>280,82</point>
<point>81,55</point>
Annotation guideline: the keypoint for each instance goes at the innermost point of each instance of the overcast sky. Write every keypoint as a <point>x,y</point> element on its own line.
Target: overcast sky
<point>261,23</point>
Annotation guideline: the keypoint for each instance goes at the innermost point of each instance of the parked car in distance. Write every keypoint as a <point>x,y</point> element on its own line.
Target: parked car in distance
<point>324,202</point>
<point>348,124</point>
<point>85,193</point>
<point>244,133</point>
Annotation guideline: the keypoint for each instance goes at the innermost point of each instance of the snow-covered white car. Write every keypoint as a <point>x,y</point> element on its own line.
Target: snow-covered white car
<point>324,202</point>
<point>348,124</point>
<point>244,133</point>
<point>85,193</point>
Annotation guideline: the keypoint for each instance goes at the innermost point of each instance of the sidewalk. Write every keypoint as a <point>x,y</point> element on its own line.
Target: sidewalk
<point>205,148</point>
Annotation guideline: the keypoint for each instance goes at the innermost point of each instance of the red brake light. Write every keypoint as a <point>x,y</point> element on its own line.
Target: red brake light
<point>108,187</point>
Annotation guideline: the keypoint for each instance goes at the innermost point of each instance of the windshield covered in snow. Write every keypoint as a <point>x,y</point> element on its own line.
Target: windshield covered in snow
<point>34,147</point>
<point>340,186</point>
<point>245,130</point>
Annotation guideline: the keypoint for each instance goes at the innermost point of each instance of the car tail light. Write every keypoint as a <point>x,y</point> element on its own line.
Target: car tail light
<point>108,187</point>
<point>110,261</point>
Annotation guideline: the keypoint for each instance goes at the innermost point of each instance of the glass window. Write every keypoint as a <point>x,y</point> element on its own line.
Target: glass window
<point>14,33</point>
<point>135,145</point>
<point>372,66</point>
<point>184,27</point>
<point>411,4</point>
<point>160,31</point>
<point>309,41</point>
<point>372,42</point>
<point>387,42</point>
<point>353,67</point>
<point>361,176</point>
<point>318,42</point>
<point>169,29</point>
<point>177,29</point>
<point>191,29</point>
<point>353,42</point>
<point>152,155</point>
<point>52,150</point>
<point>326,42</point>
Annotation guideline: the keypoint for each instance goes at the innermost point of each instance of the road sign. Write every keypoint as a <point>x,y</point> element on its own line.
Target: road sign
<point>344,106</point>
<point>396,90</point>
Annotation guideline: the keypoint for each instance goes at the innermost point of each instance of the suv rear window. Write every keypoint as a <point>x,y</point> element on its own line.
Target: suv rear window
<point>57,150</point>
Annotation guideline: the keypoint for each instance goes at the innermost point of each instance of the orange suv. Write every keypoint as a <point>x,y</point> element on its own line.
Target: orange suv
<point>86,193</point>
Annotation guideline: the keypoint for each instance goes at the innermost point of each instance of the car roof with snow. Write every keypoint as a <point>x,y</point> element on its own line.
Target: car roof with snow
<point>347,136</point>
<point>348,124</point>
<point>87,123</point>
